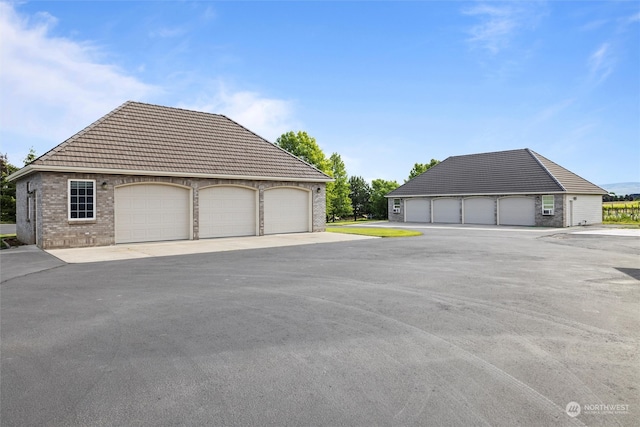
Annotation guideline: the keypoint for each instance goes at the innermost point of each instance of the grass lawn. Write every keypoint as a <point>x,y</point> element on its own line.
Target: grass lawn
<point>374,231</point>
<point>4,236</point>
<point>351,222</point>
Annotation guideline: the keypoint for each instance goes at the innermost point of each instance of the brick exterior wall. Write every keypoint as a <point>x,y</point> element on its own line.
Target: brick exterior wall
<point>395,217</point>
<point>54,230</point>
<point>555,220</point>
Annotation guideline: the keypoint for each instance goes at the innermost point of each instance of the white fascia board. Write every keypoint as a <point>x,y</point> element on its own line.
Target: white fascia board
<point>406,196</point>
<point>39,168</point>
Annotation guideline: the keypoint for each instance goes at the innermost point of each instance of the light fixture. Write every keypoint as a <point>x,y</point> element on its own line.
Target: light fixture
<point>318,190</point>
<point>104,185</point>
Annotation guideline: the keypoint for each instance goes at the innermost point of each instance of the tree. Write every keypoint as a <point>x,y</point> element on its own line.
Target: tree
<point>304,147</point>
<point>379,203</point>
<point>7,191</point>
<point>338,202</point>
<point>420,168</point>
<point>360,195</point>
<point>30,157</point>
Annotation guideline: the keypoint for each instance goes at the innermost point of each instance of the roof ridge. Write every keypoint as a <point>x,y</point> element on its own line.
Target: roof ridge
<point>535,156</point>
<point>78,134</point>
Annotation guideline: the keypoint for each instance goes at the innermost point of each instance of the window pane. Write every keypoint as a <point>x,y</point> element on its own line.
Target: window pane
<point>81,199</point>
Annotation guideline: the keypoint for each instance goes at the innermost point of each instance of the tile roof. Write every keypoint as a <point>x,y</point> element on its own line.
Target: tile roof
<point>152,138</point>
<point>504,172</point>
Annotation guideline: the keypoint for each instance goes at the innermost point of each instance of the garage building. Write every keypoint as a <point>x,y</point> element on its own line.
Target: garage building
<point>515,187</point>
<point>146,173</point>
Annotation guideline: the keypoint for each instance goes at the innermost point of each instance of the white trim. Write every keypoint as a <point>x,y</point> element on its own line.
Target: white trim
<point>95,196</point>
<point>37,168</point>
<point>536,193</point>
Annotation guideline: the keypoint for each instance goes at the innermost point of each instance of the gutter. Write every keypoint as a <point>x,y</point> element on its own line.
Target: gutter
<point>27,170</point>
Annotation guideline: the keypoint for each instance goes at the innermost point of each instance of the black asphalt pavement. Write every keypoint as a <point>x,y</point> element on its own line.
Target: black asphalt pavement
<point>457,327</point>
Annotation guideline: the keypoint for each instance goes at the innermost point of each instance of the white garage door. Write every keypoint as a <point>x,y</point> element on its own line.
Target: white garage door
<point>517,211</point>
<point>227,211</point>
<point>446,211</point>
<point>480,210</point>
<point>286,210</point>
<point>418,210</point>
<point>151,212</point>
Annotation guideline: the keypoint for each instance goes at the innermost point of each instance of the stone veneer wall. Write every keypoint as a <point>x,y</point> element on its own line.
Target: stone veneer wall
<point>28,230</point>
<point>56,231</point>
<point>555,220</point>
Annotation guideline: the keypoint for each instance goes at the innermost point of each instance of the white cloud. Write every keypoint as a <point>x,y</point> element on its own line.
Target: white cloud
<point>268,117</point>
<point>601,63</point>
<point>500,23</point>
<point>51,87</point>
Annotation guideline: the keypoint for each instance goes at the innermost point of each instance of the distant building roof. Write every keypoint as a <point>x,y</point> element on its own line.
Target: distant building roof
<point>138,138</point>
<point>520,171</point>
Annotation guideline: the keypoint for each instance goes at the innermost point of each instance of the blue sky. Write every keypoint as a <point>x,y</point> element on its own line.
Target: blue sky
<point>384,84</point>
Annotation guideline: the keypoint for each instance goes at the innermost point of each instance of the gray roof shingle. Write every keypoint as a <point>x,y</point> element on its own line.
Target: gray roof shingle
<point>152,138</point>
<point>503,172</point>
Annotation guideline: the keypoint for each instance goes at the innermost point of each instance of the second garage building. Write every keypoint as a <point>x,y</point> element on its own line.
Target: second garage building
<point>515,187</point>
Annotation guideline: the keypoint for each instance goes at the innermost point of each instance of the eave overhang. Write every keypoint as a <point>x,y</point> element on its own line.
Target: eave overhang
<point>27,170</point>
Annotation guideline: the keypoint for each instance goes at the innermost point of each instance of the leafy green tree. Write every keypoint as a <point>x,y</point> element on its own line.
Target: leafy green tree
<point>306,148</point>
<point>30,157</point>
<point>360,195</point>
<point>338,202</point>
<point>420,168</point>
<point>379,203</point>
<point>7,191</point>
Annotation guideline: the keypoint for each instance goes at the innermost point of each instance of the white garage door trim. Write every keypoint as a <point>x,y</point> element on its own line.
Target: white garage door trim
<point>151,212</point>
<point>446,211</point>
<point>227,210</point>
<point>517,211</point>
<point>287,210</point>
<point>417,210</point>
<point>479,210</point>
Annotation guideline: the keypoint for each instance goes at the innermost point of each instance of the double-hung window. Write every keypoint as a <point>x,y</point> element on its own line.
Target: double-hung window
<point>82,199</point>
<point>547,205</point>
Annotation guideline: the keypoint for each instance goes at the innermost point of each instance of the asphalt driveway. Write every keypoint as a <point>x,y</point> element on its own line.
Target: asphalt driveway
<point>455,327</point>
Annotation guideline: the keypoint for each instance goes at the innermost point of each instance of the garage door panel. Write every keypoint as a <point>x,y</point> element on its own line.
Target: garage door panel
<point>286,210</point>
<point>227,211</point>
<point>418,210</point>
<point>480,210</point>
<point>151,212</point>
<point>446,211</point>
<point>517,211</point>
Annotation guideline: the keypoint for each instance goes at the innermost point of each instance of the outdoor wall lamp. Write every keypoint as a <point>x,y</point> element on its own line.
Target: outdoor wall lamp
<point>104,185</point>
<point>318,190</point>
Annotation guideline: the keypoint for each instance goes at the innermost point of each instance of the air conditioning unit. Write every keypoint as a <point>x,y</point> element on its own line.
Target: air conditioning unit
<point>547,212</point>
<point>396,210</point>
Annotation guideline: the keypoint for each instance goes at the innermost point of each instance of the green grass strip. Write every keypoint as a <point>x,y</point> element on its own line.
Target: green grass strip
<point>374,231</point>
<point>4,236</point>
